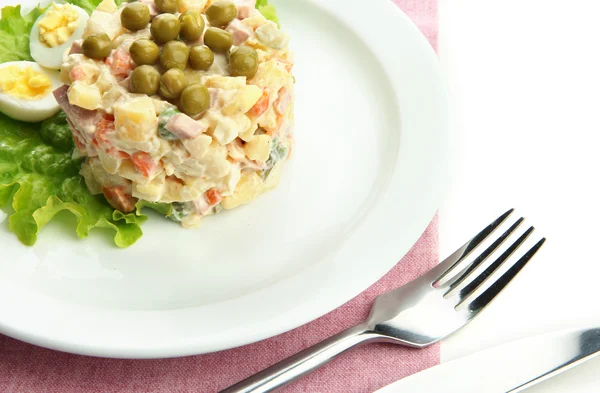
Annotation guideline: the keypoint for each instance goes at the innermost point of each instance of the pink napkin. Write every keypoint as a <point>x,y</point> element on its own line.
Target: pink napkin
<point>28,369</point>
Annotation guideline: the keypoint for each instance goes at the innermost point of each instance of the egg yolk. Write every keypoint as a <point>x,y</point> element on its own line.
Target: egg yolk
<point>58,25</point>
<point>25,83</point>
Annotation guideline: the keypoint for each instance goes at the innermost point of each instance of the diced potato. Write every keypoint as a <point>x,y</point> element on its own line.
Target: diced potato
<point>243,101</point>
<point>104,22</point>
<point>185,5</point>
<point>177,191</point>
<point>272,75</point>
<point>215,161</point>
<point>268,121</point>
<point>226,82</point>
<point>270,35</point>
<point>128,171</point>
<point>111,96</point>
<point>135,120</point>
<point>92,184</point>
<point>151,191</point>
<point>110,163</point>
<point>255,21</point>
<point>105,81</point>
<point>84,96</point>
<point>232,180</point>
<point>107,6</point>
<point>248,135</point>
<point>226,129</point>
<point>198,146</point>
<point>249,188</point>
<point>259,148</point>
<point>236,151</point>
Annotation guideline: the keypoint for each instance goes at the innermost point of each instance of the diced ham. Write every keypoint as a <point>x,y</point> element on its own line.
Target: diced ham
<point>184,127</point>
<point>239,32</point>
<point>76,47</point>
<point>80,118</point>
<point>77,138</point>
<point>75,113</point>
<point>245,8</point>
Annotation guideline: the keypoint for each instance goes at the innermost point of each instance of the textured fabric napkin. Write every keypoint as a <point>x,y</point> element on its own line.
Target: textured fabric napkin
<point>28,369</point>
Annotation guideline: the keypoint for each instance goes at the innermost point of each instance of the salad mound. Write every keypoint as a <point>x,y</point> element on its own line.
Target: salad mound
<point>185,103</point>
<point>137,124</point>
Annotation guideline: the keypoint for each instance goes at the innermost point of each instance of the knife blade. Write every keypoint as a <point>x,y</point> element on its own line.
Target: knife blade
<point>508,368</point>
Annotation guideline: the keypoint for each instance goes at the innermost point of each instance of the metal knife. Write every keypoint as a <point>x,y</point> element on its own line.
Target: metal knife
<point>509,368</point>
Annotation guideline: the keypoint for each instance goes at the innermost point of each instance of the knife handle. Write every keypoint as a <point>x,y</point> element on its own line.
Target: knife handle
<point>296,366</point>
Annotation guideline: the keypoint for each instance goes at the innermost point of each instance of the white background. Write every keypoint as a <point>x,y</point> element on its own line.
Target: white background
<point>524,78</point>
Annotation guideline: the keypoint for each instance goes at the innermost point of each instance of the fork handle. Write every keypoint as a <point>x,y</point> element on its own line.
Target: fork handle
<point>296,366</point>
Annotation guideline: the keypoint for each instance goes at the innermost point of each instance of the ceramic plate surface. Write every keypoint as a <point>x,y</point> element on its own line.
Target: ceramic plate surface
<point>364,183</point>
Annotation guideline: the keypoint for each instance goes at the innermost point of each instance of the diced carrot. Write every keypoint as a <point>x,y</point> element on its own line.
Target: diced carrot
<point>213,196</point>
<point>261,106</point>
<point>106,125</point>
<point>120,63</point>
<point>119,199</point>
<point>144,163</point>
<point>77,73</point>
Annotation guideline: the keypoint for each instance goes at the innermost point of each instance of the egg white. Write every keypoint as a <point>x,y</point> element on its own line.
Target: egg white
<point>31,110</point>
<point>53,57</point>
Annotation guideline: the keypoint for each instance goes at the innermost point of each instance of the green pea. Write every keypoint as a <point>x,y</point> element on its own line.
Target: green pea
<point>243,62</point>
<point>192,25</point>
<point>144,80</point>
<point>135,16</point>
<point>221,13</point>
<point>174,55</point>
<point>172,83</point>
<point>218,40</point>
<point>194,100</point>
<point>97,46</point>
<point>144,52</point>
<point>201,57</point>
<point>164,28</point>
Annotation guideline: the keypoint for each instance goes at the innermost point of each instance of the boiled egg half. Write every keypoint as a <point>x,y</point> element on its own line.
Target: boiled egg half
<point>26,91</point>
<point>54,32</point>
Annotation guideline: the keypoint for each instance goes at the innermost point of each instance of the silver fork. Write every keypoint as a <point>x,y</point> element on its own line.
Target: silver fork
<point>417,314</point>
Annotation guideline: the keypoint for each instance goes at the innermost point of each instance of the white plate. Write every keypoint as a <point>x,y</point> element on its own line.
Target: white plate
<point>360,190</point>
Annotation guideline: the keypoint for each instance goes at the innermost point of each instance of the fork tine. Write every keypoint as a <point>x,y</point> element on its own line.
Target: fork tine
<point>448,264</point>
<point>486,297</point>
<point>483,256</point>
<point>485,275</point>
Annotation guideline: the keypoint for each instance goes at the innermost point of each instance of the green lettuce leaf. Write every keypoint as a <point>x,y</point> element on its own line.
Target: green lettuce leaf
<point>267,10</point>
<point>42,181</point>
<point>14,33</point>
